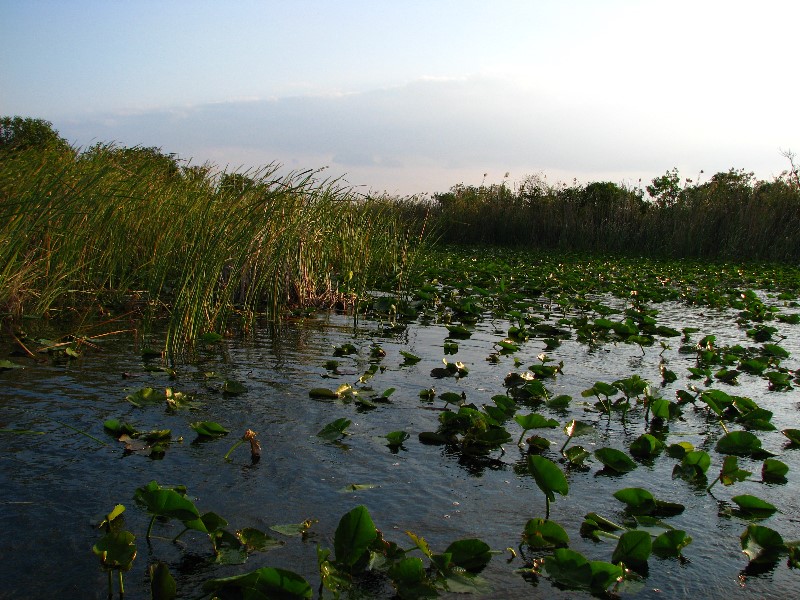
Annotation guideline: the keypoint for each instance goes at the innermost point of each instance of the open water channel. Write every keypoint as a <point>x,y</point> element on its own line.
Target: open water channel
<point>56,484</point>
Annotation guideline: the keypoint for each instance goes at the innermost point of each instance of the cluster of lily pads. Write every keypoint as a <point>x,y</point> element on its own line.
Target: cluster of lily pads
<point>359,549</point>
<point>535,304</point>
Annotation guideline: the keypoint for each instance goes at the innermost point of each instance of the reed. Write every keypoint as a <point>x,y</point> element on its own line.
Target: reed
<point>730,216</point>
<point>130,228</point>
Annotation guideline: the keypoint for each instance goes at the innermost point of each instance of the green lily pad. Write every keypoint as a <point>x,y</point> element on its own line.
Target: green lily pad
<point>633,549</point>
<point>671,543</point>
<point>754,505</point>
<point>335,429</point>
<point>267,582</point>
<point>209,429</point>
<point>615,460</point>
<point>543,533</point>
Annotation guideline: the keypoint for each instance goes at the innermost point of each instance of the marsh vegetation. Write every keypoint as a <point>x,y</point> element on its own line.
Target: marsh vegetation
<point>274,388</point>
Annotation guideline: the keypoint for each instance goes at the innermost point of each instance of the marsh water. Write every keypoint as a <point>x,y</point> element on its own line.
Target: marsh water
<point>57,483</point>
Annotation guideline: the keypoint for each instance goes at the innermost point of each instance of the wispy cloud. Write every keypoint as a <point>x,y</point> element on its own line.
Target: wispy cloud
<point>456,127</point>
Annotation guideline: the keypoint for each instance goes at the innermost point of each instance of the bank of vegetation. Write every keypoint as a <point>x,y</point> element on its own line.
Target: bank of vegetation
<point>731,215</point>
<point>121,229</point>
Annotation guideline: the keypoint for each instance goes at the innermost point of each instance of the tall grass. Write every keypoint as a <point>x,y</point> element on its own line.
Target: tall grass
<point>120,227</point>
<point>730,216</point>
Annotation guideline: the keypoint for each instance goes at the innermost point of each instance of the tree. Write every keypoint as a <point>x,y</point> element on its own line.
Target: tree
<point>18,133</point>
<point>665,190</point>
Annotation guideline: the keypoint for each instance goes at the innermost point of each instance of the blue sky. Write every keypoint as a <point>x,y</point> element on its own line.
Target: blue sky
<point>413,97</point>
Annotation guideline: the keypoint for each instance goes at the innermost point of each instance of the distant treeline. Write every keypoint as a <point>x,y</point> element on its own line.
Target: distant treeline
<point>730,215</point>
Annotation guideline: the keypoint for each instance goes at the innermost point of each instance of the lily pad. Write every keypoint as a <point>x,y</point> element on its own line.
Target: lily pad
<point>267,582</point>
<point>615,460</point>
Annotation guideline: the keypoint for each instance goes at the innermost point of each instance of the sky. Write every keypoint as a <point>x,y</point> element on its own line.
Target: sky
<point>413,97</point>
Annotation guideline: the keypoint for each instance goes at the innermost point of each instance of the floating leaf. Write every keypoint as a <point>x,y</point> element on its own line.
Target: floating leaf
<point>572,570</point>
<point>322,393</point>
<point>409,358</point>
<point>679,450</point>
<point>594,526</point>
<point>232,387</point>
<point>671,543</point>
<point>357,487</point>
<point>7,364</point>
<point>210,337</point>
<point>774,471</point>
<point>543,533</point>
<point>166,502</point>
<point>793,435</point>
<point>335,429</point>
<point>615,460</point>
<point>267,582</point>
<point>345,350</point>
<point>693,465</point>
<point>646,446</point>
<point>145,396</point>
<point>560,401</point>
<point>255,539</point>
<point>576,428</point>
<point>535,421</point>
<point>471,554</point>
<point>754,505</point>
<point>458,331</point>
<point>294,529</point>
<point>118,428</point>
<point>761,543</point>
<point>396,438</point>
<point>741,443</point>
<point>576,455</point>
<point>209,429</point>
<point>633,548</point>
<point>641,502</point>
<point>731,473</point>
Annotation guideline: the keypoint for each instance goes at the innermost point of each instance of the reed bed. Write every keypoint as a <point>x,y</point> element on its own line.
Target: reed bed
<point>731,216</point>
<point>131,229</point>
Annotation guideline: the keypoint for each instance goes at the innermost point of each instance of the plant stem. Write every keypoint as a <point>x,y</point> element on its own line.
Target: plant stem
<point>150,527</point>
<point>547,508</point>
<point>121,585</point>
<point>565,444</point>
<point>708,489</point>
<point>522,435</point>
<point>81,432</point>
<point>234,447</point>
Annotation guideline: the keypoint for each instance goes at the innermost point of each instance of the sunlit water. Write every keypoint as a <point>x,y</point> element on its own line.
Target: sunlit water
<point>56,485</point>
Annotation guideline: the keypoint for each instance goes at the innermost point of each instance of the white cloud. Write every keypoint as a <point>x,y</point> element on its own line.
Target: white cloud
<point>434,132</point>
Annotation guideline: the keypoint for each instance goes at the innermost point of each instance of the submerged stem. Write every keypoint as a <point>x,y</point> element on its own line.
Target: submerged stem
<point>150,527</point>
<point>81,432</point>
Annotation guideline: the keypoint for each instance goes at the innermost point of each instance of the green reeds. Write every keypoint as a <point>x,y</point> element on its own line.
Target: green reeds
<point>130,228</point>
<point>729,216</point>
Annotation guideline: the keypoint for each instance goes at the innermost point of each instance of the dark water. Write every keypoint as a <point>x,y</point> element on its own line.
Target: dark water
<point>55,485</point>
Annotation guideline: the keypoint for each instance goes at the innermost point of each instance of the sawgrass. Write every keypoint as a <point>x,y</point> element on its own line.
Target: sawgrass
<point>129,228</point>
